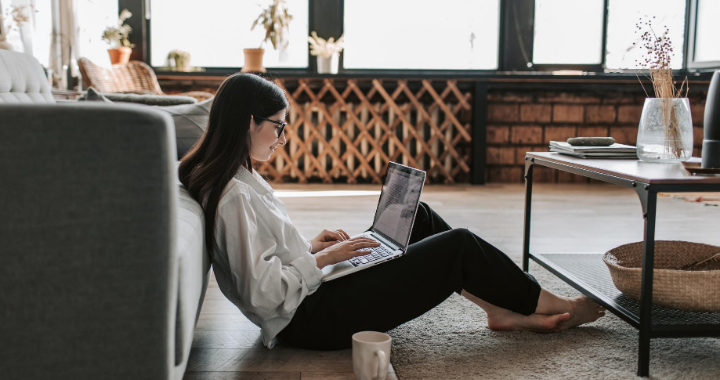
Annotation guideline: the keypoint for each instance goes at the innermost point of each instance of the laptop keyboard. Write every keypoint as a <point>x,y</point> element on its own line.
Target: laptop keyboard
<point>377,253</point>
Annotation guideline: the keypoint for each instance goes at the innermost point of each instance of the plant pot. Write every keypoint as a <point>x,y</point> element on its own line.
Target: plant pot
<point>253,61</point>
<point>665,133</point>
<point>328,65</point>
<point>119,55</point>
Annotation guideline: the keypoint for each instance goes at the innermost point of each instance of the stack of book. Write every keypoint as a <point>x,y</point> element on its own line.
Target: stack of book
<point>610,151</point>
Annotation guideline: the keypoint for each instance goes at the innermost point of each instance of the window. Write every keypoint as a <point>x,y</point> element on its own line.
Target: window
<point>576,26</point>
<point>93,17</point>
<point>437,35</point>
<point>215,32</point>
<point>623,15</point>
<point>708,28</point>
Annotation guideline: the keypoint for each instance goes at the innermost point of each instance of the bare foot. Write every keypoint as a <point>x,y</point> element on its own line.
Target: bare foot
<point>584,310</point>
<point>506,320</point>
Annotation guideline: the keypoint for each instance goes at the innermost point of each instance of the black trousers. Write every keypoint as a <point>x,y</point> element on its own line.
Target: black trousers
<point>440,260</point>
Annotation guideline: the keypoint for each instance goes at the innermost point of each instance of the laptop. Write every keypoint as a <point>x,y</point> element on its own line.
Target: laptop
<point>394,218</point>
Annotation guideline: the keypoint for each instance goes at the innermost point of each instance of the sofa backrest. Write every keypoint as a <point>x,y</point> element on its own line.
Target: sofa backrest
<point>22,79</point>
<point>88,264</point>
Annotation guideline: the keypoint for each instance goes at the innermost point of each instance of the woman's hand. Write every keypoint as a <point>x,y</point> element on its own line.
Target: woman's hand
<point>344,250</point>
<point>326,239</point>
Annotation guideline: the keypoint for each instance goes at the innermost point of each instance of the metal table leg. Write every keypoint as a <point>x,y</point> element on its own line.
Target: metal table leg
<point>649,202</point>
<point>529,162</point>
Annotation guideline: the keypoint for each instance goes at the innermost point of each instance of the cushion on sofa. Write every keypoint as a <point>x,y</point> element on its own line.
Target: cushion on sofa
<point>190,119</point>
<point>150,99</point>
<point>190,123</point>
<point>92,95</point>
<point>194,268</point>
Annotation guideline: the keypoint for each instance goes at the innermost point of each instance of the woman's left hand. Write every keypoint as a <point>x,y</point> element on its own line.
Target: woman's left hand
<point>327,238</point>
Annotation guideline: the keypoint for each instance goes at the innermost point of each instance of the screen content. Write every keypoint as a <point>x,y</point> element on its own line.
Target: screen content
<point>399,199</point>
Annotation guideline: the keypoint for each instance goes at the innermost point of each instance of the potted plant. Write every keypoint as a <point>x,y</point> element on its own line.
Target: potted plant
<point>17,14</point>
<point>665,133</point>
<point>117,37</point>
<point>276,21</point>
<point>3,33</point>
<point>327,53</point>
<point>179,59</point>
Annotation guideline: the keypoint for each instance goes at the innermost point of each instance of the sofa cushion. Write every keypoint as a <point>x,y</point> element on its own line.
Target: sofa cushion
<point>190,119</point>
<point>22,79</point>
<point>92,95</point>
<point>194,270</point>
<point>146,99</point>
<point>190,123</point>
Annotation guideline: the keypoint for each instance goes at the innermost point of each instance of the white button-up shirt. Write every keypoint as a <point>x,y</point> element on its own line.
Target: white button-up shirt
<point>262,263</point>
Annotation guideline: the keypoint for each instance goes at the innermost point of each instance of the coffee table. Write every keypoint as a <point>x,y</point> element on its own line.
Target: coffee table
<point>588,273</point>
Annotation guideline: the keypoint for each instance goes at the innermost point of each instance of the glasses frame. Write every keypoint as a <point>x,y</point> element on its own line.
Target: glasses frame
<point>282,124</point>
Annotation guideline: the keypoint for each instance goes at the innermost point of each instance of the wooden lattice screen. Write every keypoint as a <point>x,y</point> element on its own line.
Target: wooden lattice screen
<point>346,130</point>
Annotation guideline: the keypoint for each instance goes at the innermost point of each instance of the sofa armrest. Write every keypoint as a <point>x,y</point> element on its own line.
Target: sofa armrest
<point>89,266</point>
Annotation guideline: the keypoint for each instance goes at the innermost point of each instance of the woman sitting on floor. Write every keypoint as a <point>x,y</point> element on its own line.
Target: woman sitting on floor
<point>273,274</point>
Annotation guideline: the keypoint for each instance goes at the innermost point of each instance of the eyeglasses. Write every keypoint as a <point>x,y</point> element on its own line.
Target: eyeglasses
<point>280,129</point>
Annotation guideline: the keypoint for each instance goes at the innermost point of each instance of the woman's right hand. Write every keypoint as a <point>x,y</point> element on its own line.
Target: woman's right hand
<point>344,250</point>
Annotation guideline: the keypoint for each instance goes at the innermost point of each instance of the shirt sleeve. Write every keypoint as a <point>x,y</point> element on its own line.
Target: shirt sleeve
<point>265,285</point>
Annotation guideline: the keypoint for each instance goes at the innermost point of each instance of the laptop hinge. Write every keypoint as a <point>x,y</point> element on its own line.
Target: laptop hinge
<point>387,242</point>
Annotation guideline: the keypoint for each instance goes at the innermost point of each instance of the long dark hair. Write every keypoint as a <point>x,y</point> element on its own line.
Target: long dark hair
<point>225,145</point>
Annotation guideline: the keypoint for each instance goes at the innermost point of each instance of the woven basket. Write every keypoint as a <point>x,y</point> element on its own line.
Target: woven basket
<point>686,275</point>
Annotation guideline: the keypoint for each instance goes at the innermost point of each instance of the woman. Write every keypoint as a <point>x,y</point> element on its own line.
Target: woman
<point>273,274</point>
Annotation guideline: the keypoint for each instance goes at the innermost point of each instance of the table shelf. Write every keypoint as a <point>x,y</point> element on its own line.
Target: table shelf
<point>589,274</point>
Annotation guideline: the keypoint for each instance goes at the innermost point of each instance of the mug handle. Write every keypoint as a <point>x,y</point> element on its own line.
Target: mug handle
<point>381,371</point>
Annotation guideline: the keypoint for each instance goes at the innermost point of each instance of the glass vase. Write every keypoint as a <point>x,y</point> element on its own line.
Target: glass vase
<point>665,133</point>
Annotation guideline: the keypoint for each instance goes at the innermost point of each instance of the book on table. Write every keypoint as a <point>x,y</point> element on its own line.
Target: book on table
<point>610,151</point>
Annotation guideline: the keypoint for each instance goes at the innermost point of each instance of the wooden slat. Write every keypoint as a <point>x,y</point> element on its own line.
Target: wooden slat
<point>350,136</point>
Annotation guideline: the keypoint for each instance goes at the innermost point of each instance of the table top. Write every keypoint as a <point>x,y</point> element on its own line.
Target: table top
<point>635,170</point>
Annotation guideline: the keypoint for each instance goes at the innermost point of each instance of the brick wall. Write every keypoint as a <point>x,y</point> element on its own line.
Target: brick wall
<point>522,121</point>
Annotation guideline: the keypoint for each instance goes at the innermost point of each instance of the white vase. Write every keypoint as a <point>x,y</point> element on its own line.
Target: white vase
<point>328,65</point>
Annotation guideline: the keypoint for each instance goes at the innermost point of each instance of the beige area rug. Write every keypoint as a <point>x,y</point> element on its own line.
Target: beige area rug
<point>452,342</point>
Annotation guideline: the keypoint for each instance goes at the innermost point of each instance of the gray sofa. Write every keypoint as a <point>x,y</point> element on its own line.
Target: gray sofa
<point>103,262</point>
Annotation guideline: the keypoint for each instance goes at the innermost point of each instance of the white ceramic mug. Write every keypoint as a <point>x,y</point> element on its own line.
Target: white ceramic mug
<point>371,355</point>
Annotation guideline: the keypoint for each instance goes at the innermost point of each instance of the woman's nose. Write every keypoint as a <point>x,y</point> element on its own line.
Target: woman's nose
<point>282,140</point>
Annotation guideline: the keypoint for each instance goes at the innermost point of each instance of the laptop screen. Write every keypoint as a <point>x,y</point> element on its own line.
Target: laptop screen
<point>398,203</point>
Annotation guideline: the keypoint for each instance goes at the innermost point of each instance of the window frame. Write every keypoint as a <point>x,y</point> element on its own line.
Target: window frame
<point>515,44</point>
<point>691,31</point>
<point>598,67</point>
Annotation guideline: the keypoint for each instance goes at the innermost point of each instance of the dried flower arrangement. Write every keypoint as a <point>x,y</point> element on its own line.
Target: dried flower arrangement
<point>276,21</point>
<point>322,48</point>
<point>117,35</point>
<point>17,15</point>
<point>659,53</point>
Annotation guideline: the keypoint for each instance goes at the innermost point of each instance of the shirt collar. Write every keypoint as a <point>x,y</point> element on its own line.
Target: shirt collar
<point>254,180</point>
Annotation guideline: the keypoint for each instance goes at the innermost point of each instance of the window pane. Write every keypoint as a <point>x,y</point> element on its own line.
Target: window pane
<point>215,32</point>
<point>575,26</point>
<point>707,47</point>
<point>93,17</point>
<point>622,17</point>
<point>439,35</point>
<point>42,32</point>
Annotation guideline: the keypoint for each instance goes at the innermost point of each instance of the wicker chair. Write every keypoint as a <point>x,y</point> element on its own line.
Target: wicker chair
<point>134,77</point>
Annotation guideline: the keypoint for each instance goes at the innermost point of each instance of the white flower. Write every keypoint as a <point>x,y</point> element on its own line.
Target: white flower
<point>321,47</point>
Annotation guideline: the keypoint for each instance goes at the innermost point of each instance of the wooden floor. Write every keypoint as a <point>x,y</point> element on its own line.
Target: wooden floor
<point>566,218</point>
